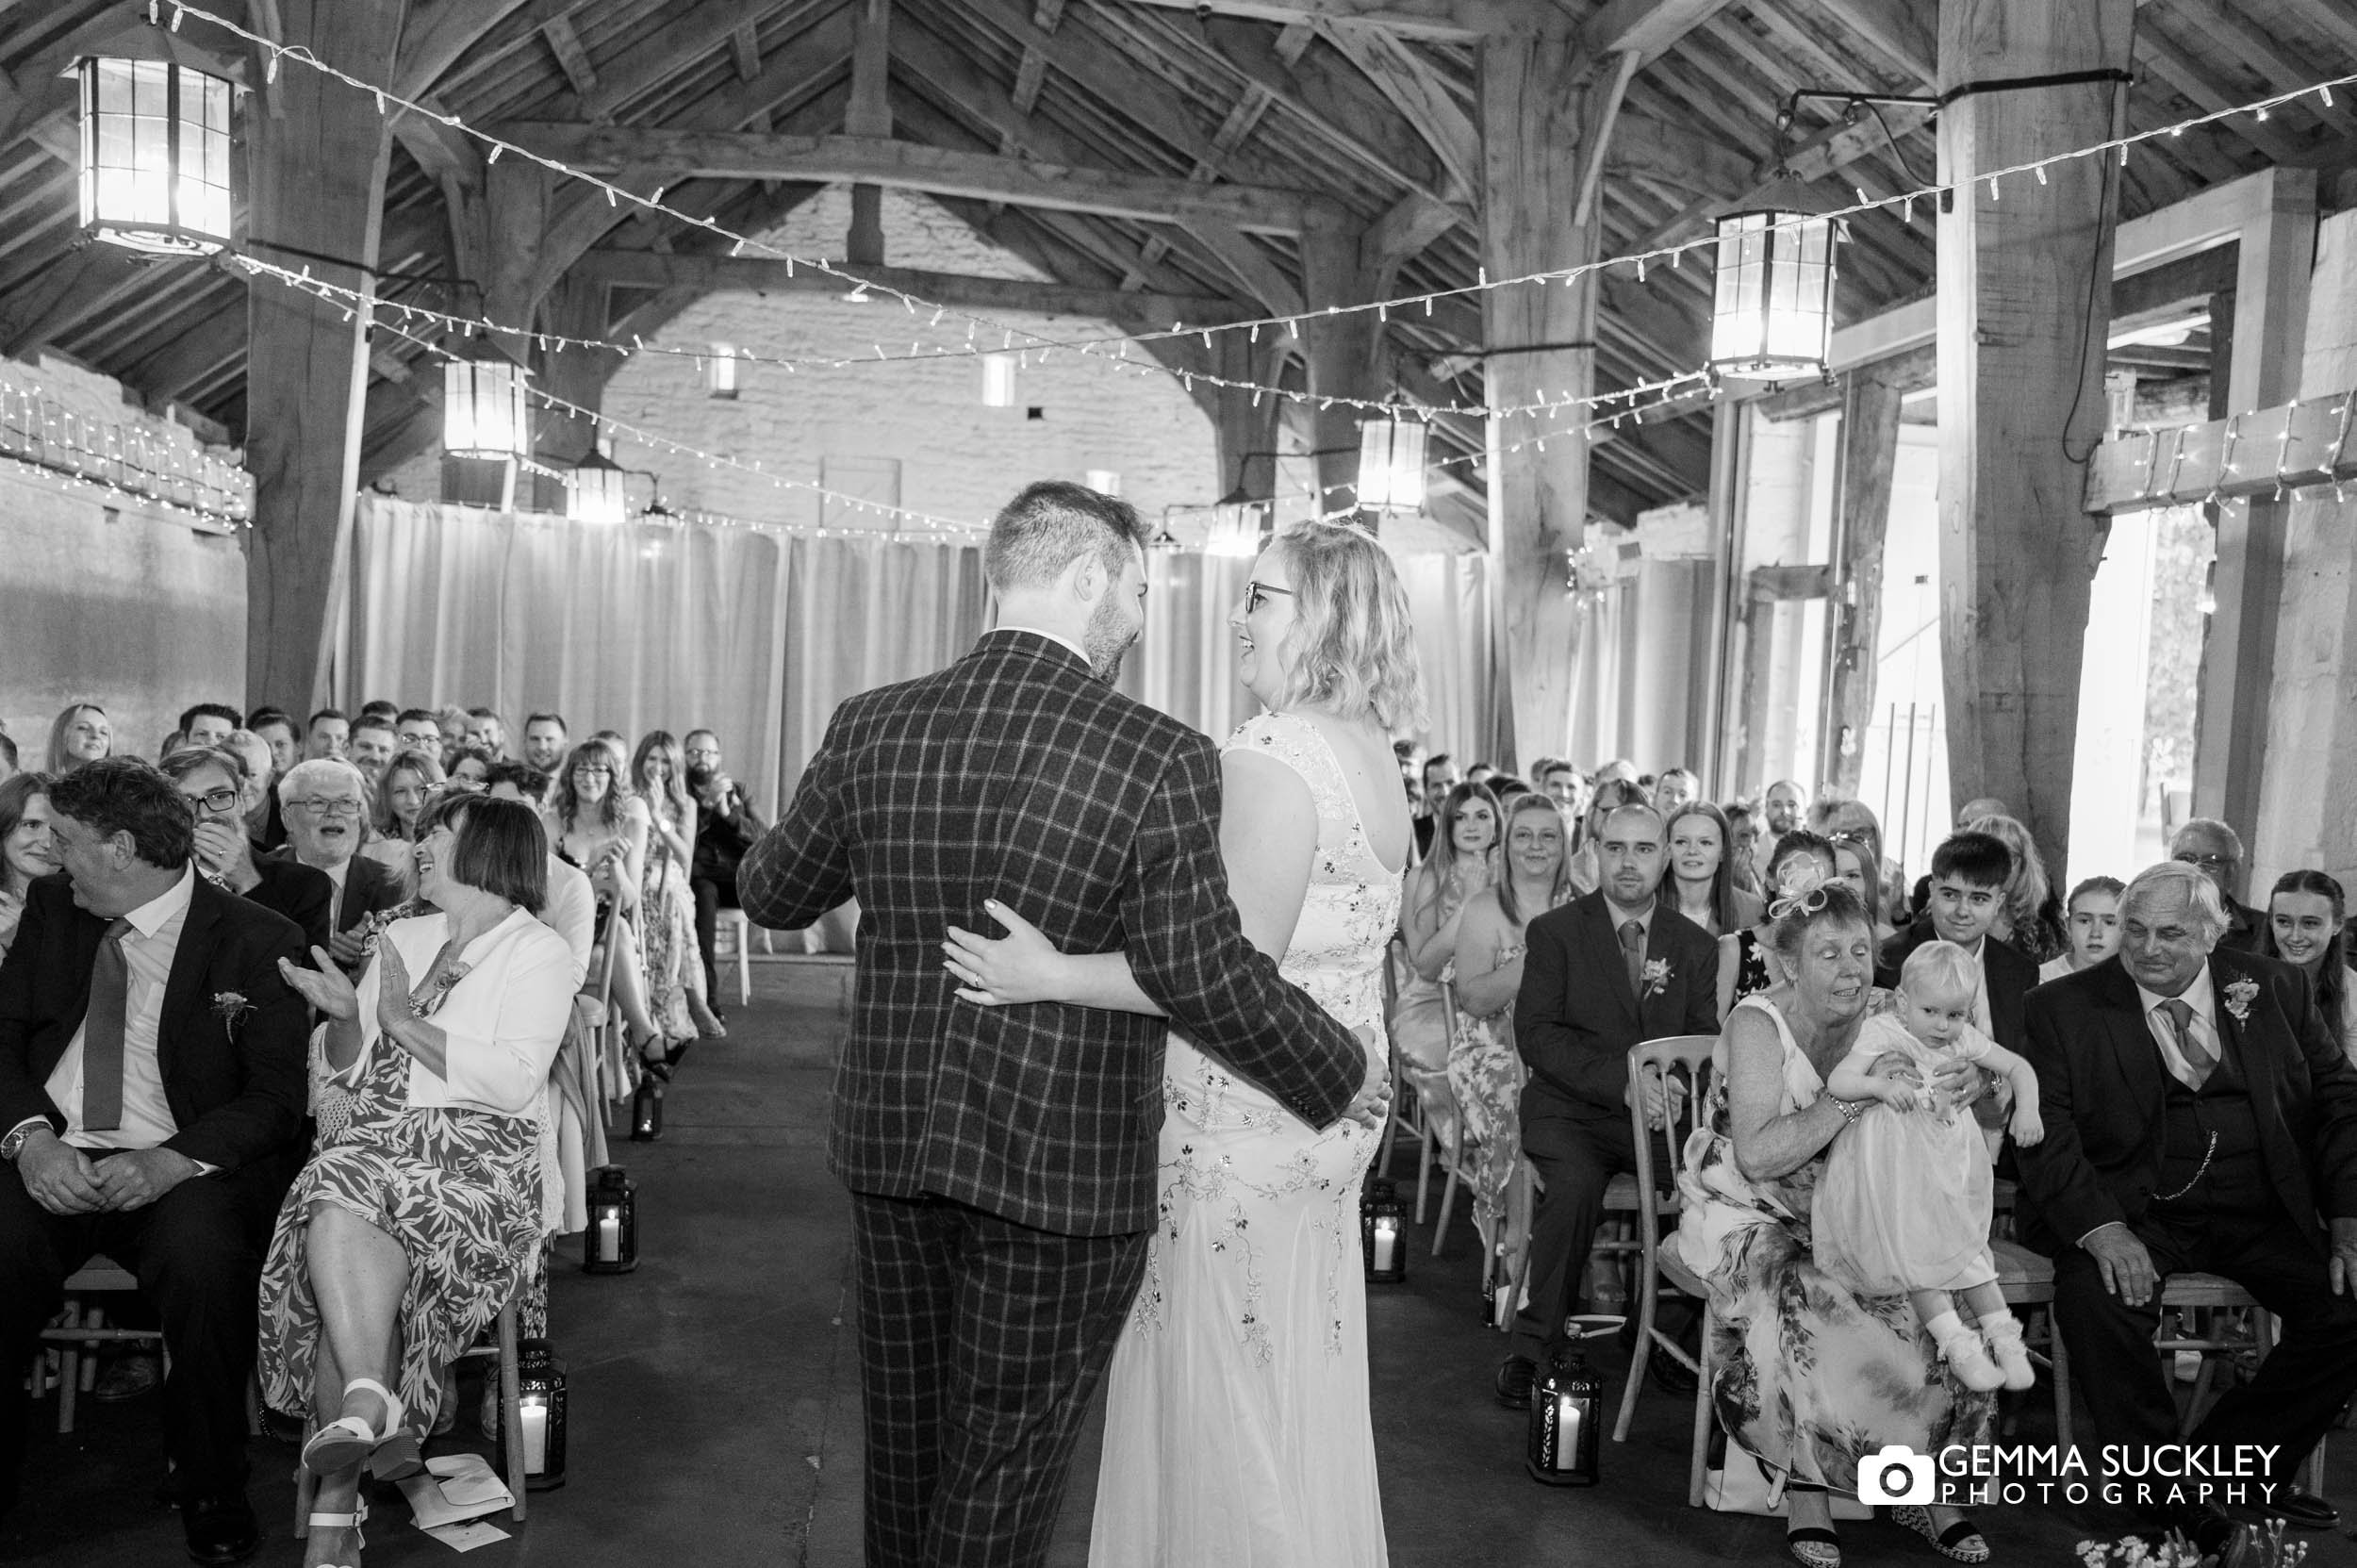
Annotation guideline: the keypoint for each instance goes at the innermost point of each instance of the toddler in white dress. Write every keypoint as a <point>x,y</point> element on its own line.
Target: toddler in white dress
<point>1905,1197</point>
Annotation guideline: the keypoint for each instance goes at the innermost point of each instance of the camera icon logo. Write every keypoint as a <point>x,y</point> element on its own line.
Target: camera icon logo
<point>1896,1475</point>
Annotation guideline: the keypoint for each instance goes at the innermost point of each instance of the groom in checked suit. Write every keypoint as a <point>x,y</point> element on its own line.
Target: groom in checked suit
<point>1001,1160</point>
<point>1604,973</point>
<point>2200,1116</point>
<point>151,1104</point>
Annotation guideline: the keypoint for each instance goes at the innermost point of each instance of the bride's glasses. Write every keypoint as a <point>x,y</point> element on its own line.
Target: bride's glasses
<point>1256,594</point>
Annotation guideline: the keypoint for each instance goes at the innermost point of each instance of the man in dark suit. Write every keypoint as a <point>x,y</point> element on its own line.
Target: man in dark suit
<point>2200,1116</point>
<point>151,1090</point>
<point>1003,1159</point>
<point>1604,973</point>
<point>2215,850</point>
<point>212,780</point>
<point>1967,893</point>
<point>726,826</point>
<point>327,805</point>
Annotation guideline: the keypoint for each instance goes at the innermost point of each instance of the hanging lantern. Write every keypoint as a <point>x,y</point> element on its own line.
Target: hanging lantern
<point>1391,462</point>
<point>1235,526</point>
<point>1383,1233</point>
<point>593,493</point>
<point>154,155</point>
<point>610,1245</point>
<point>1565,1408</point>
<point>540,1412</point>
<point>999,381</point>
<point>483,411</point>
<point>1772,317</point>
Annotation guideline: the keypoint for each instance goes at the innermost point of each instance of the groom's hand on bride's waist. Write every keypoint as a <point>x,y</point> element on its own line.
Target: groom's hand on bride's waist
<point>1372,1106</point>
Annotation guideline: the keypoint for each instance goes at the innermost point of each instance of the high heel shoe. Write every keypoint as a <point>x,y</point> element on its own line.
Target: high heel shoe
<point>1813,1546</point>
<point>348,1440</point>
<point>1961,1542</point>
<point>352,1521</point>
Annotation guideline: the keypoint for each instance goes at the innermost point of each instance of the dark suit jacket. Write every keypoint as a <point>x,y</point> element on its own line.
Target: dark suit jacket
<point>2246,928</point>
<point>370,885</point>
<point>1017,774</point>
<point>2011,975</point>
<point>2102,1085</point>
<point>297,891</point>
<point>236,1091</point>
<point>1576,1017</point>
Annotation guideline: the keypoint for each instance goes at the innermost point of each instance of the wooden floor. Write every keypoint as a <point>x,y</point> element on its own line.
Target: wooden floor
<point>714,1395</point>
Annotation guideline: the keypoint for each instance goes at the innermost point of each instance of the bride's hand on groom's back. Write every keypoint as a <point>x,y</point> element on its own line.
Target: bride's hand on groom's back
<point>1022,965</point>
<point>1371,1107</point>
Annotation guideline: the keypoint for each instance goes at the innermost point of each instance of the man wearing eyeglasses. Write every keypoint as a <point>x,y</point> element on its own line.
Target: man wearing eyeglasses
<point>2215,850</point>
<point>213,781</point>
<point>325,804</point>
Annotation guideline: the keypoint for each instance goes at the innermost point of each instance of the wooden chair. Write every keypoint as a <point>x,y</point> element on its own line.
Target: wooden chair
<point>741,931</point>
<point>84,1323</point>
<point>1684,1059</point>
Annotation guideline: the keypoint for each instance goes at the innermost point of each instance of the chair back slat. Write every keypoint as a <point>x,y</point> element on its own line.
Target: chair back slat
<point>1682,1059</point>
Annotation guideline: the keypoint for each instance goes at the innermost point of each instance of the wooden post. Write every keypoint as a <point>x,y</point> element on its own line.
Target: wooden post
<point>317,182</point>
<point>1534,92</point>
<point>2271,325</point>
<point>870,113</point>
<point>1869,448</point>
<point>1338,351</point>
<point>2023,307</point>
<point>1244,423</point>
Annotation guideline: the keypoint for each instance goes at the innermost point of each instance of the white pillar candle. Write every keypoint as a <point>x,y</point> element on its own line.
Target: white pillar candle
<point>609,1238</point>
<point>1386,1244</point>
<point>1566,1432</point>
<point>535,1412</point>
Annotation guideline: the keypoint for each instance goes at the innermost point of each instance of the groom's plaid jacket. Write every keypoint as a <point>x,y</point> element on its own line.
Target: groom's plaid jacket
<point>1016,774</point>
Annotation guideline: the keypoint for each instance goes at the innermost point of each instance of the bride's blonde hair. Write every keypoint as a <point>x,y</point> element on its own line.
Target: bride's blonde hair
<point>1353,645</point>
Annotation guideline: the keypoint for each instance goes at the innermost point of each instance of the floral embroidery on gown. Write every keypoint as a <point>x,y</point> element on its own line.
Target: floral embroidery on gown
<point>1811,1376</point>
<point>1236,1427</point>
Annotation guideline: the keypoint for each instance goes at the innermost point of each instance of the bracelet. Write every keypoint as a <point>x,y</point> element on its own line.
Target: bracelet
<point>1849,1109</point>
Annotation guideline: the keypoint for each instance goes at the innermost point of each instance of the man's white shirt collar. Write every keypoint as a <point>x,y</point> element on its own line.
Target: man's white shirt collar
<point>167,906</point>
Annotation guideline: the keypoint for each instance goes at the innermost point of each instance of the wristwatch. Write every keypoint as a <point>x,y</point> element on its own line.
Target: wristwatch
<point>12,1143</point>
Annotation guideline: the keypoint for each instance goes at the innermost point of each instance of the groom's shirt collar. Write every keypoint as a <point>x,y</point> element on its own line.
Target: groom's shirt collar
<point>1059,641</point>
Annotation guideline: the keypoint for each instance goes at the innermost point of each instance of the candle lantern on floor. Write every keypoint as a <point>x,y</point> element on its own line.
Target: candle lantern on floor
<point>1566,1409</point>
<point>1383,1233</point>
<point>540,1413</point>
<point>610,1245</point>
<point>646,1104</point>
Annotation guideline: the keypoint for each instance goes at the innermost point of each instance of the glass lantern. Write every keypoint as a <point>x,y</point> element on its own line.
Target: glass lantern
<point>540,1413</point>
<point>155,155</point>
<point>1391,462</point>
<point>610,1245</point>
<point>484,409</point>
<point>593,492</point>
<point>1567,1409</point>
<point>1772,318</point>
<point>1383,1233</point>
<point>1235,526</point>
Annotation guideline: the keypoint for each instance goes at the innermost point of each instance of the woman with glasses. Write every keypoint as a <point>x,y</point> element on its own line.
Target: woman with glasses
<point>25,847</point>
<point>409,779</point>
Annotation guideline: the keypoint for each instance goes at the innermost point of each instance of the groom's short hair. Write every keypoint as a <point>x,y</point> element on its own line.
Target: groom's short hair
<point>1038,534</point>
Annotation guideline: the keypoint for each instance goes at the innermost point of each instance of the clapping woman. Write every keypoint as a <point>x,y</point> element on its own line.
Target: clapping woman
<point>419,1215</point>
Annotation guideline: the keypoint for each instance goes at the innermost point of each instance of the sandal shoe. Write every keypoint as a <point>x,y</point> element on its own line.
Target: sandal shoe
<point>1961,1542</point>
<point>352,1522</point>
<point>347,1440</point>
<point>399,1457</point>
<point>1814,1546</point>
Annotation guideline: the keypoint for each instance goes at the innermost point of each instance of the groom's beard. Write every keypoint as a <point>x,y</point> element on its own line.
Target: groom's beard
<point>1107,638</point>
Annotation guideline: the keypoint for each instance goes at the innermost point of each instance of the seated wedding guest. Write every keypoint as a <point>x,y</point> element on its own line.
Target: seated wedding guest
<point>1676,788</point>
<point>328,735</point>
<point>420,1212</point>
<point>467,764</point>
<point>2216,851</point>
<point>452,721</point>
<point>1808,1376</point>
<point>1464,862</point>
<point>1799,859</point>
<point>2305,914</point>
<point>1439,777</point>
<point>401,797</point>
<point>1619,767</point>
<point>1858,843</point>
<point>1506,786</point>
<point>265,824</point>
<point>544,741</point>
<point>1609,970</point>
<point>1700,884</point>
<point>1978,807</point>
<point>1560,781</point>
<point>25,850</point>
<point>1484,1072</point>
<point>324,800</point>
<point>378,708</point>
<point>1743,829</point>
<point>486,729</point>
<point>667,925</point>
<point>571,909</point>
<point>415,729</point>
<point>2200,1116</point>
<point>371,747</point>
<point>209,724</point>
<point>1480,773</point>
<point>284,735</point>
<point>81,734</point>
<point>1784,807</point>
<point>599,828</point>
<point>1608,796</point>
<point>726,827</point>
<point>214,784</point>
<point>1969,875</point>
<point>151,1094</point>
<point>2032,914</point>
<point>2092,924</point>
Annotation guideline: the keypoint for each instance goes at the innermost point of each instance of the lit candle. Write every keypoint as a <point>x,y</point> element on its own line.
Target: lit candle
<point>534,1408</point>
<point>1386,1244</point>
<point>609,1238</point>
<point>1566,1433</point>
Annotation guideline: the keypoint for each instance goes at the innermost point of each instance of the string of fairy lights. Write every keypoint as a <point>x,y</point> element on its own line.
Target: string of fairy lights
<point>1600,409</point>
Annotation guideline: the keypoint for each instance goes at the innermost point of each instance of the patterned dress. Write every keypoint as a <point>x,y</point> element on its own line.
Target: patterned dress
<point>667,923</point>
<point>1809,1375</point>
<point>459,1189</point>
<point>1237,1432</point>
<point>1486,1075</point>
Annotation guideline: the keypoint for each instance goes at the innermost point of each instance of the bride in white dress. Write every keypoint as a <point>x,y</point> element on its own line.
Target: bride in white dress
<point>1236,1428</point>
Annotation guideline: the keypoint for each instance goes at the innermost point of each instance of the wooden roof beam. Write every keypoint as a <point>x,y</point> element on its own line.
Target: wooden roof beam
<point>1646,28</point>
<point>1420,96</point>
<point>572,58</point>
<point>437,36</point>
<point>1455,20</point>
